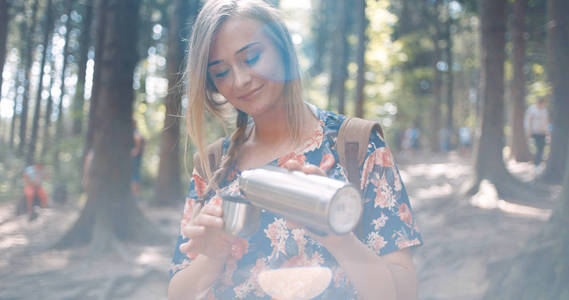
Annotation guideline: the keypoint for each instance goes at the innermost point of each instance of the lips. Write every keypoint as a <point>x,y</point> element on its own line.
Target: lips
<point>252,94</point>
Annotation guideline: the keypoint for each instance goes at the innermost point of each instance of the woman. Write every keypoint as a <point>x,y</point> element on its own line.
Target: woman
<point>241,52</point>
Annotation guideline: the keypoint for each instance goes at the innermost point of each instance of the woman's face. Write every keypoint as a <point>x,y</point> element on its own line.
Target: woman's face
<point>246,67</point>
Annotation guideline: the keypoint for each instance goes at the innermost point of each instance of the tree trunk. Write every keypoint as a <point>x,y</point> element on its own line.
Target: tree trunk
<point>345,55</point>
<point>540,270</point>
<point>438,101</point>
<point>450,78</point>
<point>405,22</point>
<point>565,192</point>
<point>437,82</point>
<point>30,158</point>
<point>489,162</point>
<point>28,58</point>
<point>519,143</point>
<point>336,90</point>
<point>111,214</point>
<point>48,112</point>
<point>99,39</point>
<point>488,158</point>
<point>360,58</point>
<point>85,42</point>
<point>59,122</point>
<point>4,17</point>
<point>15,110</point>
<point>558,64</point>
<point>168,189</point>
<point>22,31</point>
<point>320,29</point>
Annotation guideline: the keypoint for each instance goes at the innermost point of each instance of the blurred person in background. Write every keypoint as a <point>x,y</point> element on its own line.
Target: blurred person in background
<point>136,156</point>
<point>34,193</point>
<point>536,123</point>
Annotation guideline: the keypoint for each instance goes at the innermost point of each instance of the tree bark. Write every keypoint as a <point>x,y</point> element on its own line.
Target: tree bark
<point>337,89</point>
<point>437,81</point>
<point>519,143</point>
<point>168,189</point>
<point>30,158</point>
<point>320,29</point>
<point>4,19</point>
<point>489,163</point>
<point>28,58</point>
<point>99,39</point>
<point>360,58</point>
<point>488,156</point>
<point>438,101</point>
<point>450,77</point>
<point>22,31</point>
<point>558,64</point>
<point>85,42</point>
<point>405,22</point>
<point>111,214</point>
<point>345,55</point>
<point>565,192</point>
<point>48,112</point>
<point>15,110</point>
<point>59,122</point>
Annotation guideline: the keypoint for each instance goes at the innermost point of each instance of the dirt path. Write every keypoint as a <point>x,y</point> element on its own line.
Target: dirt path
<point>463,243</point>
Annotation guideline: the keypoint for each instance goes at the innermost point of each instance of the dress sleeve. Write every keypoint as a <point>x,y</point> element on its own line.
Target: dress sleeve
<point>197,187</point>
<point>387,220</point>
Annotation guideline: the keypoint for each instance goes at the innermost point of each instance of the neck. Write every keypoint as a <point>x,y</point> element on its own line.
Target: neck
<point>272,127</point>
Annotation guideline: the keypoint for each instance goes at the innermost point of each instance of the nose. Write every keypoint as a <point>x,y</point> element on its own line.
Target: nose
<point>242,77</point>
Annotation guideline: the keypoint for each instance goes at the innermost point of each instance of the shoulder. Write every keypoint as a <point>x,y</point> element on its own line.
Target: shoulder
<point>330,121</point>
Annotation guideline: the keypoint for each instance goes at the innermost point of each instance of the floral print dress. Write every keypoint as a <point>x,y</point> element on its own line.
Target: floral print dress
<point>387,220</point>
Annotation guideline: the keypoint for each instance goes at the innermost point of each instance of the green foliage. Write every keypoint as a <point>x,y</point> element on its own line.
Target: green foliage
<point>11,182</point>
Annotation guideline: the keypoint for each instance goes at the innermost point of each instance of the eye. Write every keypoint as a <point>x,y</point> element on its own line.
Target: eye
<point>253,60</point>
<point>221,74</point>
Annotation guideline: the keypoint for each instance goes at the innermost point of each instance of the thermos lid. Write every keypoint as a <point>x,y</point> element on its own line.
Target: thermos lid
<point>345,210</point>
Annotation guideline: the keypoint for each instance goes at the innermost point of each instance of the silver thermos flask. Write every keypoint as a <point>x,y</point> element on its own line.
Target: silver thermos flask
<point>322,204</point>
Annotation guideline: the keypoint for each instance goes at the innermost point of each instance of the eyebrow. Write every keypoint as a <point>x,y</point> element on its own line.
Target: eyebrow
<point>215,62</point>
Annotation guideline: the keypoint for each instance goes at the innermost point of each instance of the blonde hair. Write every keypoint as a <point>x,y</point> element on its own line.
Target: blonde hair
<point>201,90</point>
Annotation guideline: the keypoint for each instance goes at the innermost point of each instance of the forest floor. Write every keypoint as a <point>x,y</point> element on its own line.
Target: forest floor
<point>466,241</point>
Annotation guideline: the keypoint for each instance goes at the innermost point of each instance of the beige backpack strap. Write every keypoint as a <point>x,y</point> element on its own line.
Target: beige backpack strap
<point>352,144</point>
<point>214,153</point>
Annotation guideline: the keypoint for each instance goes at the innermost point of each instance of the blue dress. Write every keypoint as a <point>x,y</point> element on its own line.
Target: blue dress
<point>387,221</point>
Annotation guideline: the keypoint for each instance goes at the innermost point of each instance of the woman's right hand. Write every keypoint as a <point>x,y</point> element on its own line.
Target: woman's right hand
<point>206,234</point>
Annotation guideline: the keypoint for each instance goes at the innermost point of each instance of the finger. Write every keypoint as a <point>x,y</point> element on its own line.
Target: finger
<point>327,162</point>
<point>189,247</point>
<point>209,221</point>
<point>212,210</point>
<point>193,231</point>
<point>312,169</point>
<point>185,247</point>
<point>292,165</point>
